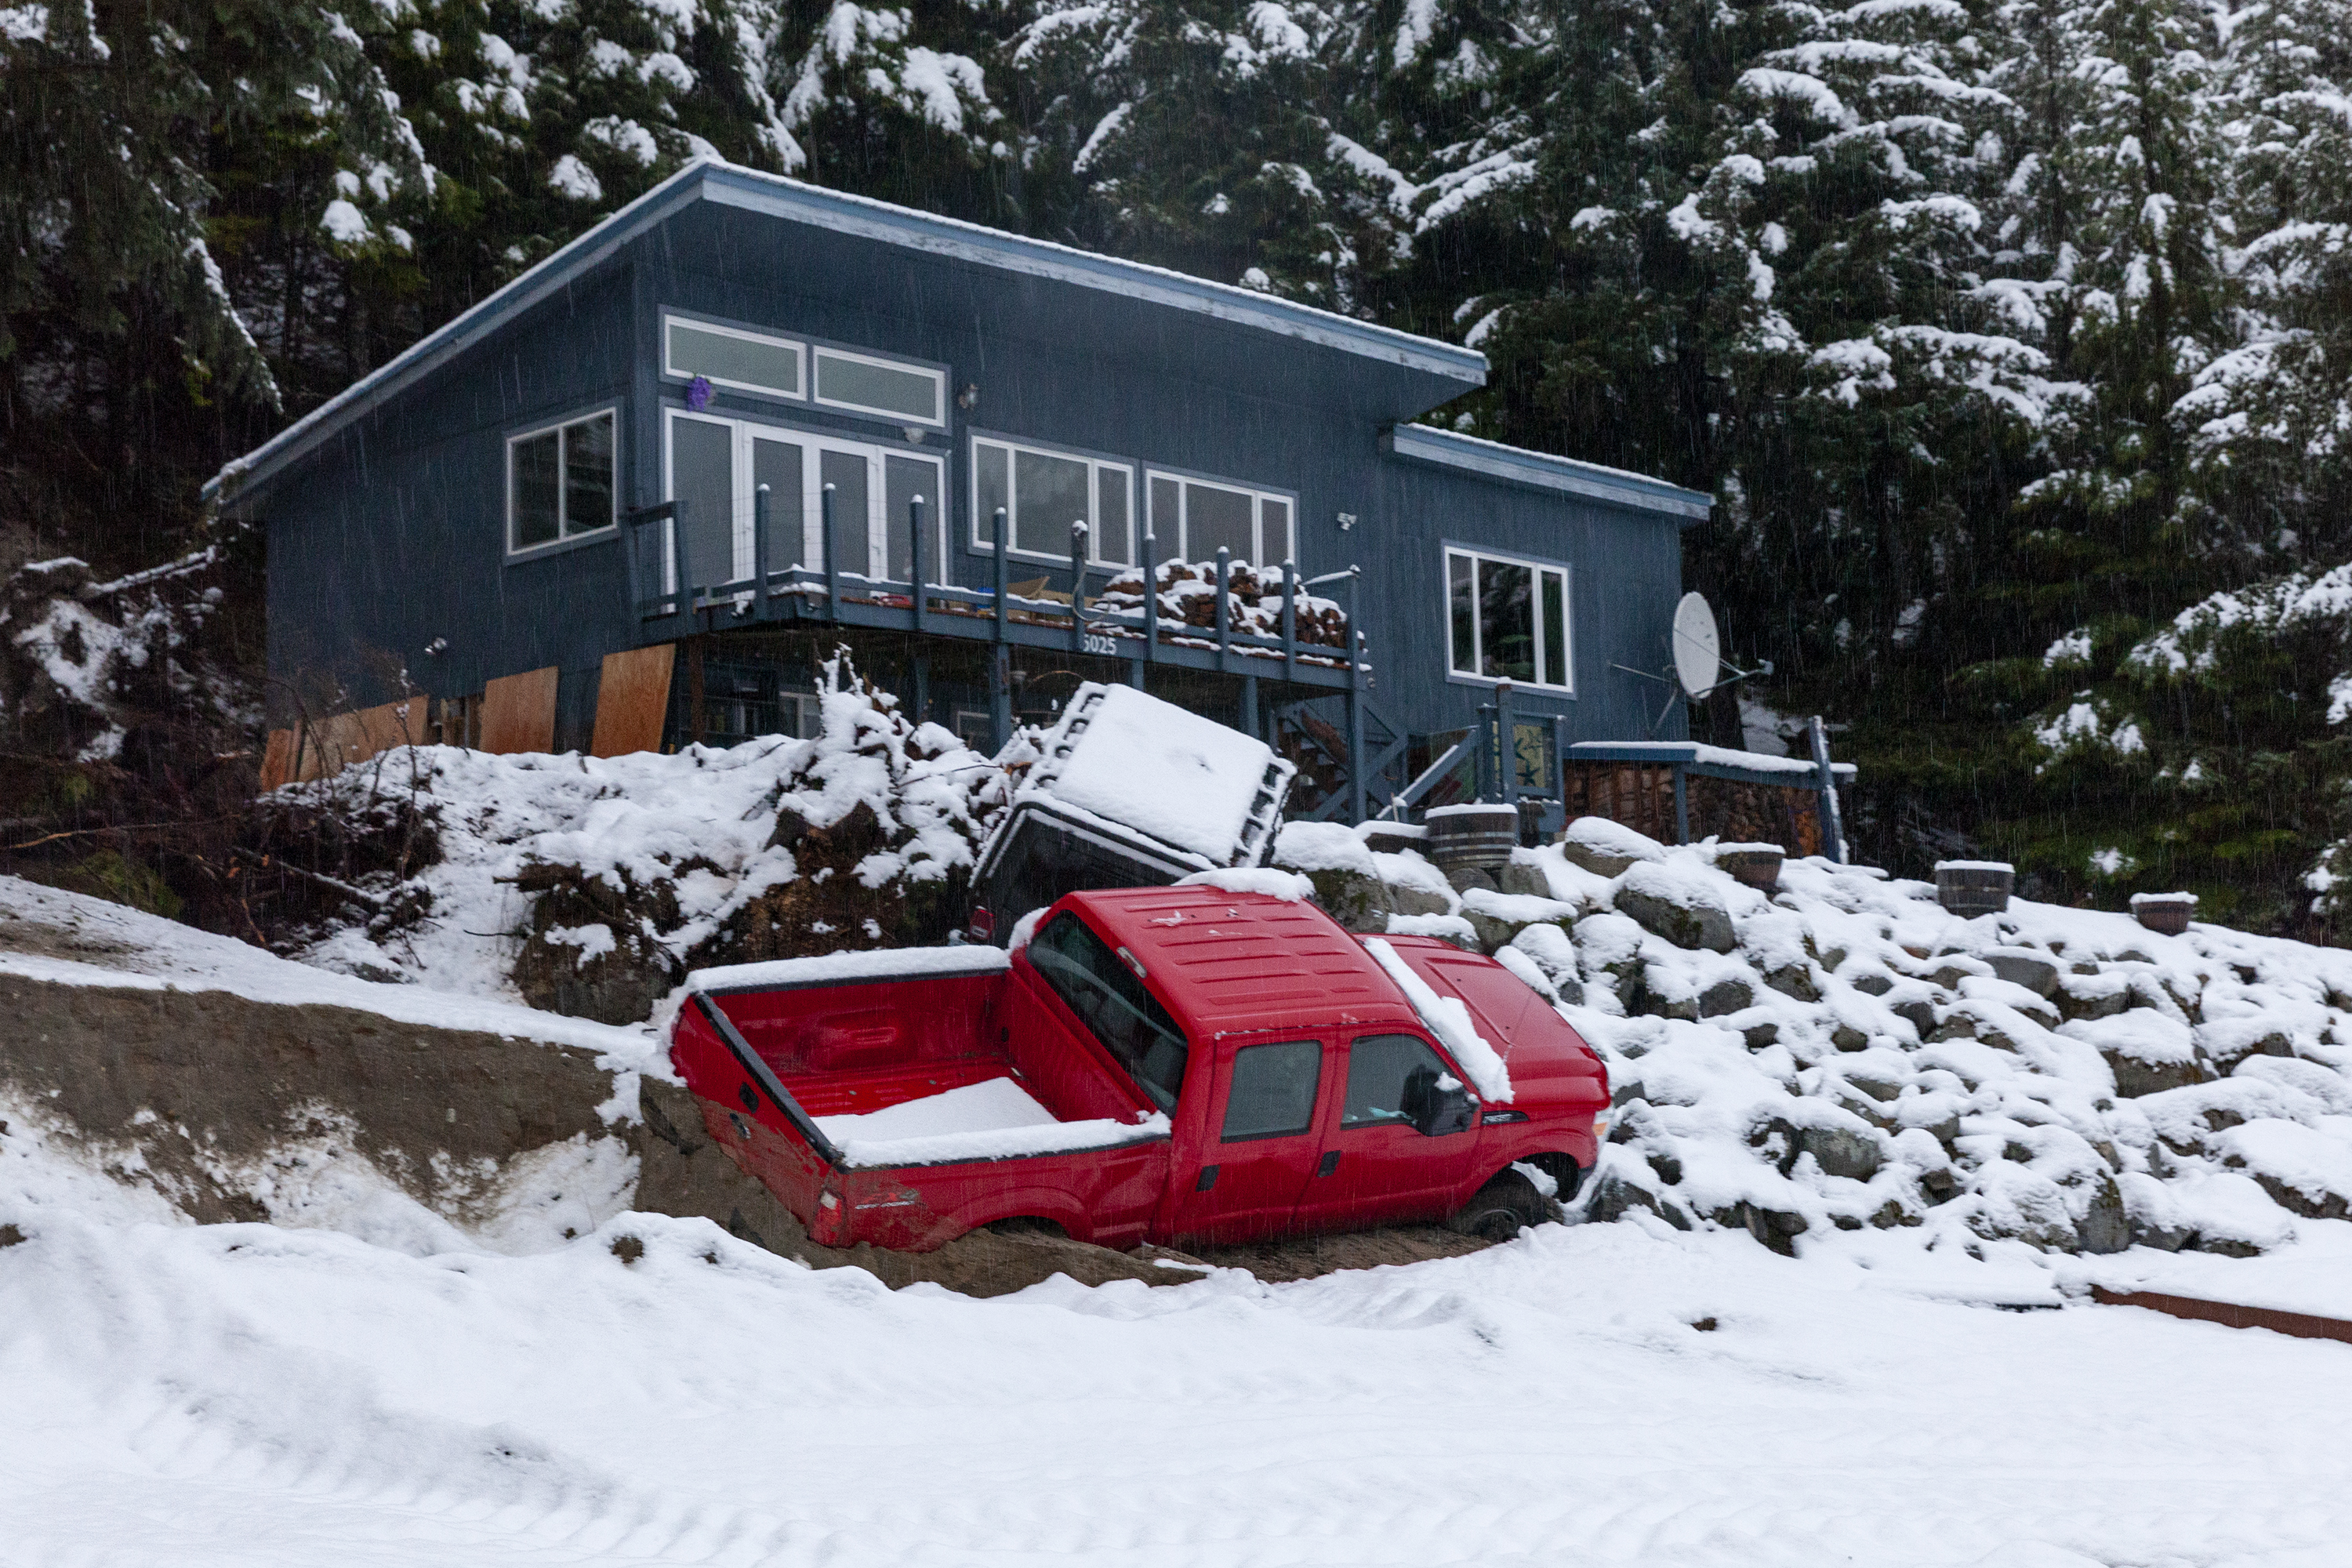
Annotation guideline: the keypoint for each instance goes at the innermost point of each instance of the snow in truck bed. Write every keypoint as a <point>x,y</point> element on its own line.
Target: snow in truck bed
<point>994,1120</point>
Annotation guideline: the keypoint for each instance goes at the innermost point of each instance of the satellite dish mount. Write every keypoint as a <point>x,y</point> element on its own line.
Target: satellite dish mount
<point>1699,668</point>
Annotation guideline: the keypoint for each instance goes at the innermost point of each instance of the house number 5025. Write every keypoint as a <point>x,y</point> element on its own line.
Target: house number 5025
<point>1095,642</point>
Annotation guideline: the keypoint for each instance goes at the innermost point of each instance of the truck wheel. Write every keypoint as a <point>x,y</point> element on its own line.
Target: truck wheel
<point>1502,1206</point>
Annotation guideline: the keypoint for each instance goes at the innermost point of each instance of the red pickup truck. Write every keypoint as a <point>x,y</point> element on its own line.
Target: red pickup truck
<point>1172,1065</point>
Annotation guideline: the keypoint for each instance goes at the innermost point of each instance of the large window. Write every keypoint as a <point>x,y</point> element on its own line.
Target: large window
<point>731,356</point>
<point>1195,518</point>
<point>716,466</point>
<point>1043,492</point>
<point>1509,620</point>
<point>1110,1000</point>
<point>559,482</point>
<point>865,385</point>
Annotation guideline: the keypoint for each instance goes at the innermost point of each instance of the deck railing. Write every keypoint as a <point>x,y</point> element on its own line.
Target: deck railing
<point>667,603</point>
<point>831,592</point>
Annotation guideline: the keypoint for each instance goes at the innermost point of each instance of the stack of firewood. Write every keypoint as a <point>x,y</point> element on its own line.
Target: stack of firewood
<point>1188,596</point>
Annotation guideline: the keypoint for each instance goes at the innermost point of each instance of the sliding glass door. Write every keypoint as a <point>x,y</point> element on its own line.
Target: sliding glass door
<point>715,466</point>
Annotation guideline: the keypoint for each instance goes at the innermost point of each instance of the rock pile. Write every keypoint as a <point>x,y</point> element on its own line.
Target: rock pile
<point>1841,1056</point>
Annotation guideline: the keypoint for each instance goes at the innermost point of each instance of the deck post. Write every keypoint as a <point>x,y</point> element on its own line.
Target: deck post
<point>1483,777</point>
<point>999,669</point>
<point>915,554</point>
<point>1356,780</point>
<point>1225,616</point>
<point>760,503</point>
<point>1077,586</point>
<point>832,557</point>
<point>1003,609</point>
<point>1507,745</point>
<point>1832,815</point>
<point>1291,620</point>
<point>1249,708</point>
<point>1682,803</point>
<point>1135,673</point>
<point>678,559</point>
<point>1560,763</point>
<point>1151,601</point>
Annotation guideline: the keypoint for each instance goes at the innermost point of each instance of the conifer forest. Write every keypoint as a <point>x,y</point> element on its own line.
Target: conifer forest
<point>2013,337</point>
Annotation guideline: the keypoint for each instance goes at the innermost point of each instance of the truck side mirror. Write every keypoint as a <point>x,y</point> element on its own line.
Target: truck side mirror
<point>1437,1105</point>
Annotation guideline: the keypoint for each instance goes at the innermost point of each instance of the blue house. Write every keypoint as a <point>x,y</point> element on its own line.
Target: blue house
<point>628,500</point>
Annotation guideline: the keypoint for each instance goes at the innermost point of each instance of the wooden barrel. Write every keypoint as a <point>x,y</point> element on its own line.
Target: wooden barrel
<point>1472,837</point>
<point>2167,914</point>
<point>1971,888</point>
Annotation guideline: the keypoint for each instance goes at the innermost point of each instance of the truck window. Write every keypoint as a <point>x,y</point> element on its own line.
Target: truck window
<point>1387,1076</point>
<point>1112,1002</point>
<point>1273,1089</point>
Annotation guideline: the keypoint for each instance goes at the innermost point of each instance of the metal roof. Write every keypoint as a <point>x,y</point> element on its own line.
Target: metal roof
<point>1450,449</point>
<point>713,180</point>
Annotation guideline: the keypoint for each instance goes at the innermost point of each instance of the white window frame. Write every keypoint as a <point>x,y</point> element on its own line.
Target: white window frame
<point>1097,467</point>
<point>564,536</point>
<point>939,378</point>
<point>1259,495</point>
<point>1540,566</point>
<point>747,429</point>
<point>720,328</point>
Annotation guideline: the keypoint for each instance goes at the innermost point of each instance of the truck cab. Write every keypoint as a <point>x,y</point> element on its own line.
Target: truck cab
<point>1187,1065</point>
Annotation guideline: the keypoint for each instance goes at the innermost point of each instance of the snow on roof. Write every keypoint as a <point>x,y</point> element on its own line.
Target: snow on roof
<point>1546,470</point>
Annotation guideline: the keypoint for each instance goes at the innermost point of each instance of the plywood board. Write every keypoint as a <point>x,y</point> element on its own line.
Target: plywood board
<point>277,760</point>
<point>633,700</point>
<point>519,712</point>
<point>327,746</point>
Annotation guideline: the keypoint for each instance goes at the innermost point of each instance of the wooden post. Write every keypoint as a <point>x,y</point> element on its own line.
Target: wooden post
<point>759,552</point>
<point>1000,670</point>
<point>1356,782</point>
<point>832,559</point>
<point>915,554</point>
<point>1506,744</point>
<point>1249,707</point>
<point>1224,619</point>
<point>1833,819</point>
<point>697,723</point>
<point>1291,620</point>
<point>1077,587</point>
<point>1682,804</point>
<point>1150,603</point>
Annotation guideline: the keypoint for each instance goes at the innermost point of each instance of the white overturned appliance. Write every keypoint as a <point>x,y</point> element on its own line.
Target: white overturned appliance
<point>1130,791</point>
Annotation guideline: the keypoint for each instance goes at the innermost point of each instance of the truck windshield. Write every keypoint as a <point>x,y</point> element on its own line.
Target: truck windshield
<point>1108,998</point>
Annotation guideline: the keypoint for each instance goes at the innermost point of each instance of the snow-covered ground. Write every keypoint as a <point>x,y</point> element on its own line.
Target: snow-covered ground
<point>251,1396</point>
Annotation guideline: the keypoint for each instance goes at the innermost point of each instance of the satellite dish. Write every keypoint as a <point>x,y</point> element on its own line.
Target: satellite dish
<point>1698,651</point>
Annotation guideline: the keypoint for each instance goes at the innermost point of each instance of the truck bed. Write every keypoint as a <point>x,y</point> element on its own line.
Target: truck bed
<point>891,1108</point>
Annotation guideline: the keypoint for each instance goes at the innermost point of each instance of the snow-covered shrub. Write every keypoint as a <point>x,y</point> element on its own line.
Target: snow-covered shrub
<point>591,885</point>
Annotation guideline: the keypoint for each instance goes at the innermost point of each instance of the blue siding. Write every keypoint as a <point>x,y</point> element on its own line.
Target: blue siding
<point>391,535</point>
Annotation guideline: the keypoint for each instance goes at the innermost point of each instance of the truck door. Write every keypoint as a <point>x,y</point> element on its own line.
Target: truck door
<point>1262,1144</point>
<point>1373,1166</point>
